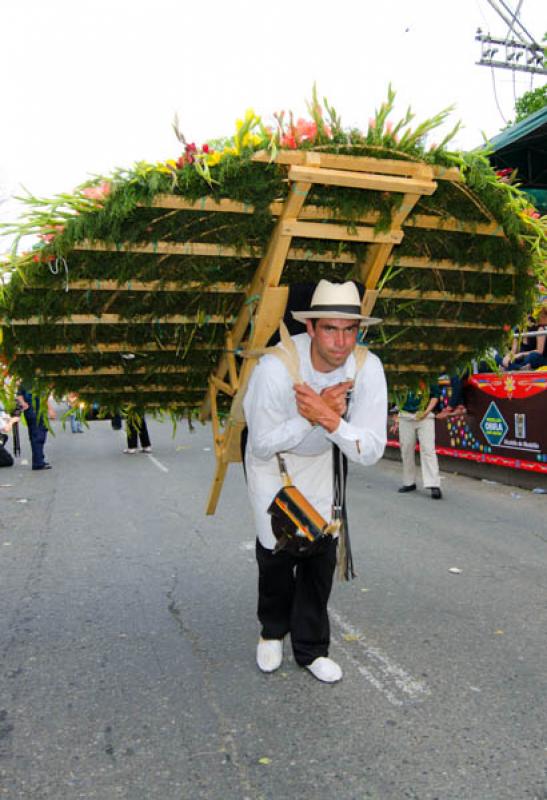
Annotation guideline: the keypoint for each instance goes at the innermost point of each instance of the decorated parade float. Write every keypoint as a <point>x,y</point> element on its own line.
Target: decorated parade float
<point>149,286</point>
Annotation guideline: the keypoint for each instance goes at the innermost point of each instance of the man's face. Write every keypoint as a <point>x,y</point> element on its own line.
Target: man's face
<point>332,342</point>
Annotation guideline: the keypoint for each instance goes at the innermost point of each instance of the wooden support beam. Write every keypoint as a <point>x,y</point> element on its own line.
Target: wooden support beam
<point>377,256</point>
<point>267,275</point>
<point>359,180</point>
<point>222,385</point>
<point>270,311</point>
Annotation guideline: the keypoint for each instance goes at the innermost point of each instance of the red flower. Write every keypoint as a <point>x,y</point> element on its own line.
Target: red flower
<point>205,148</point>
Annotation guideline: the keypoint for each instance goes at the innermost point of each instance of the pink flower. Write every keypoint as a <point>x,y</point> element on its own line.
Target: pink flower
<point>306,130</point>
<point>97,192</point>
<point>372,123</point>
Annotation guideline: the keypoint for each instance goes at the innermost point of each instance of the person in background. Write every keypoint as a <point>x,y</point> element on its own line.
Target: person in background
<point>416,420</point>
<point>37,428</point>
<point>137,431</point>
<point>532,353</point>
<point>6,424</point>
<point>76,424</point>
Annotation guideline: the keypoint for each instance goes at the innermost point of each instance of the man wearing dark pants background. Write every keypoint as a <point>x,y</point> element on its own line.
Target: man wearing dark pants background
<point>37,428</point>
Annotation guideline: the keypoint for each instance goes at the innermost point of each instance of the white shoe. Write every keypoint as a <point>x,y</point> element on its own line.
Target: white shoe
<point>130,450</point>
<point>269,654</point>
<point>325,669</point>
<point>146,450</point>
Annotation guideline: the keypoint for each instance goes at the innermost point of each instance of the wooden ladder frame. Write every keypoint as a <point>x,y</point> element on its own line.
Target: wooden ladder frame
<point>269,300</point>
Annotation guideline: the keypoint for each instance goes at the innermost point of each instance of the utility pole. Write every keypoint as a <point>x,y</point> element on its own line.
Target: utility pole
<point>518,51</point>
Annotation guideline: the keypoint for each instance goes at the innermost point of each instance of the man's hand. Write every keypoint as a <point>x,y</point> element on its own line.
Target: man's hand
<point>315,408</point>
<point>335,397</point>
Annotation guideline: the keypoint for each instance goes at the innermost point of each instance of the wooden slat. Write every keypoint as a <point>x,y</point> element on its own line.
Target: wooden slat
<point>111,347</point>
<point>119,370</point>
<point>358,180</point>
<point>419,322</point>
<point>317,230</point>
<point>419,262</point>
<point>443,297</point>
<point>218,251</point>
<point>141,389</point>
<point>144,286</point>
<point>453,225</point>
<point>398,345</point>
<point>117,319</point>
<point>313,212</point>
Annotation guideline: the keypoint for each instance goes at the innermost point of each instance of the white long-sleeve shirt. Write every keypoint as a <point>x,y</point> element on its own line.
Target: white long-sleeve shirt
<point>275,426</point>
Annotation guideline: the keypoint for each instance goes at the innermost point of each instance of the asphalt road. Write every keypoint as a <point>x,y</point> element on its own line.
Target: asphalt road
<point>128,632</point>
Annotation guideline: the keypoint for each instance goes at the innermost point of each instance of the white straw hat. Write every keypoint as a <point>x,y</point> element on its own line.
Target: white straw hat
<point>335,301</point>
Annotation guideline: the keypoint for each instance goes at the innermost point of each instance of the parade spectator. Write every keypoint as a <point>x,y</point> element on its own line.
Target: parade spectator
<point>76,424</point>
<point>37,427</point>
<point>416,420</point>
<point>531,354</point>
<point>6,424</point>
<point>137,430</point>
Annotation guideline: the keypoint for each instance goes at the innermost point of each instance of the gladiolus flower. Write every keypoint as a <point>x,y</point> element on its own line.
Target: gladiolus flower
<point>205,148</point>
<point>97,192</point>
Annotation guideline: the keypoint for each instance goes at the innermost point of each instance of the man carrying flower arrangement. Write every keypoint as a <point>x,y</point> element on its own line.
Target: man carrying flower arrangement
<point>324,395</point>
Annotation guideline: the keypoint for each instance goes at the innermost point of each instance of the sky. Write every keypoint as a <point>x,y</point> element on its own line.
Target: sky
<point>92,85</point>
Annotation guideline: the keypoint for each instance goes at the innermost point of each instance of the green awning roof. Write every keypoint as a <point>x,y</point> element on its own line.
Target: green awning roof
<point>528,128</point>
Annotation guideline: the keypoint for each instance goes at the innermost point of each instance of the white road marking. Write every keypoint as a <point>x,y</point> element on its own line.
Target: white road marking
<point>395,683</point>
<point>158,464</point>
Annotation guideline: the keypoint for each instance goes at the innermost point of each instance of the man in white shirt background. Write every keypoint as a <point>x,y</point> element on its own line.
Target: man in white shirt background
<point>302,421</point>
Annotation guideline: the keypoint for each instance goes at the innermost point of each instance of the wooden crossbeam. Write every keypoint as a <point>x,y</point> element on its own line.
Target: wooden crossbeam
<point>361,164</point>
<point>362,180</point>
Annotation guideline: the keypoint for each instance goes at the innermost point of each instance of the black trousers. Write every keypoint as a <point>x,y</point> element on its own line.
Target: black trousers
<point>292,598</point>
<point>140,432</point>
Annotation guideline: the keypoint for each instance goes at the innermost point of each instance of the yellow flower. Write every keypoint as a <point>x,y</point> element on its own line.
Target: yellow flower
<point>214,158</point>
